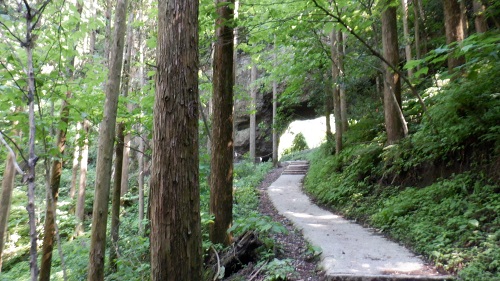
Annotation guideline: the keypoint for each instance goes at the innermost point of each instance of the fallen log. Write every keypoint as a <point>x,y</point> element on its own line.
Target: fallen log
<point>241,252</point>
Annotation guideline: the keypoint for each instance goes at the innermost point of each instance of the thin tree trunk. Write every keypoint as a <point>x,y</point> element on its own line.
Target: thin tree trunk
<point>479,16</point>
<point>76,160</point>
<point>328,111</point>
<point>253,110</point>
<point>7,188</point>
<point>53,195</point>
<point>32,157</point>
<point>80,201</point>
<point>175,239</point>
<point>275,110</point>
<point>342,88</point>
<point>416,28</point>
<point>140,153</point>
<point>105,151</point>
<point>221,175</point>
<point>115,205</point>
<point>394,121</point>
<point>140,159</point>
<point>125,89</point>
<point>454,25</point>
<point>334,52</point>
<point>406,35</point>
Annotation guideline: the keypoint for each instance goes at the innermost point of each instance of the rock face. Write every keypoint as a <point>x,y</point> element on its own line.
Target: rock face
<point>264,112</point>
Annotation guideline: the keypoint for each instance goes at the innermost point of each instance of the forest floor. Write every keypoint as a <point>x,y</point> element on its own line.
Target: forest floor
<point>292,244</point>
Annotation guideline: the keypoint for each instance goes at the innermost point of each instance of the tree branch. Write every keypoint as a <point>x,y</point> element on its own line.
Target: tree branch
<point>18,169</point>
<point>373,52</point>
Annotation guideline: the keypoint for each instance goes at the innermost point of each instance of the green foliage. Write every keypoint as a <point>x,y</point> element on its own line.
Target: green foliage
<point>299,143</point>
<point>279,270</point>
<point>452,221</point>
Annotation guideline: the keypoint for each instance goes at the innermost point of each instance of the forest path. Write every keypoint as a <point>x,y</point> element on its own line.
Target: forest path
<point>349,251</point>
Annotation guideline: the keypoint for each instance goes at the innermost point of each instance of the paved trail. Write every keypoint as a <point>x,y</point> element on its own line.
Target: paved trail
<point>350,252</point>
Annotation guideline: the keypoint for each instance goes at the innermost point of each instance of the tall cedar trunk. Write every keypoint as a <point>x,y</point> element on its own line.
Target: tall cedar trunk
<point>253,111</point>
<point>221,173</point>
<point>80,199</point>
<point>175,236</point>
<point>115,201</point>
<point>105,151</point>
<point>342,93</point>
<point>334,52</point>
<point>53,194</point>
<point>125,89</point>
<point>479,16</point>
<point>7,187</point>
<point>74,166</point>
<point>394,122</point>
<point>454,25</point>
<point>406,34</point>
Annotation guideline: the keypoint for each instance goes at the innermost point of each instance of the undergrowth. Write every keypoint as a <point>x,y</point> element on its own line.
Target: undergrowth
<point>436,191</point>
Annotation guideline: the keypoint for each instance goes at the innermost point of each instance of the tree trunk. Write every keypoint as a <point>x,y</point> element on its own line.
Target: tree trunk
<point>416,28</point>
<point>76,156</point>
<point>479,16</point>
<point>53,195</point>
<point>334,52</point>
<point>454,25</point>
<point>32,157</point>
<point>406,35</point>
<point>221,175</point>
<point>394,121</point>
<point>328,111</point>
<point>253,110</point>
<point>115,202</point>
<point>342,93</point>
<point>80,201</point>
<point>125,89</point>
<point>175,236</point>
<point>105,151</point>
<point>140,159</point>
<point>275,111</point>
<point>7,188</point>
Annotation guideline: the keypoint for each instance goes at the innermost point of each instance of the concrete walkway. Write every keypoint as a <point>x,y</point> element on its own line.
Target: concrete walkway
<point>349,251</point>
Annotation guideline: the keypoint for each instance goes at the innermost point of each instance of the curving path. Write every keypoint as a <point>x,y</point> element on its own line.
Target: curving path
<point>349,251</point>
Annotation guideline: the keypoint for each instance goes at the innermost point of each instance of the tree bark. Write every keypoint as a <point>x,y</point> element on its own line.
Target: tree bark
<point>140,159</point>
<point>334,53</point>
<point>275,110</point>
<point>479,16</point>
<point>221,175</point>
<point>406,35</point>
<point>394,121</point>
<point>76,160</point>
<point>454,25</point>
<point>7,188</point>
<point>80,201</point>
<point>125,89</point>
<point>105,151</point>
<point>115,202</point>
<point>53,195</point>
<point>253,109</point>
<point>342,93</point>
<point>175,236</point>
